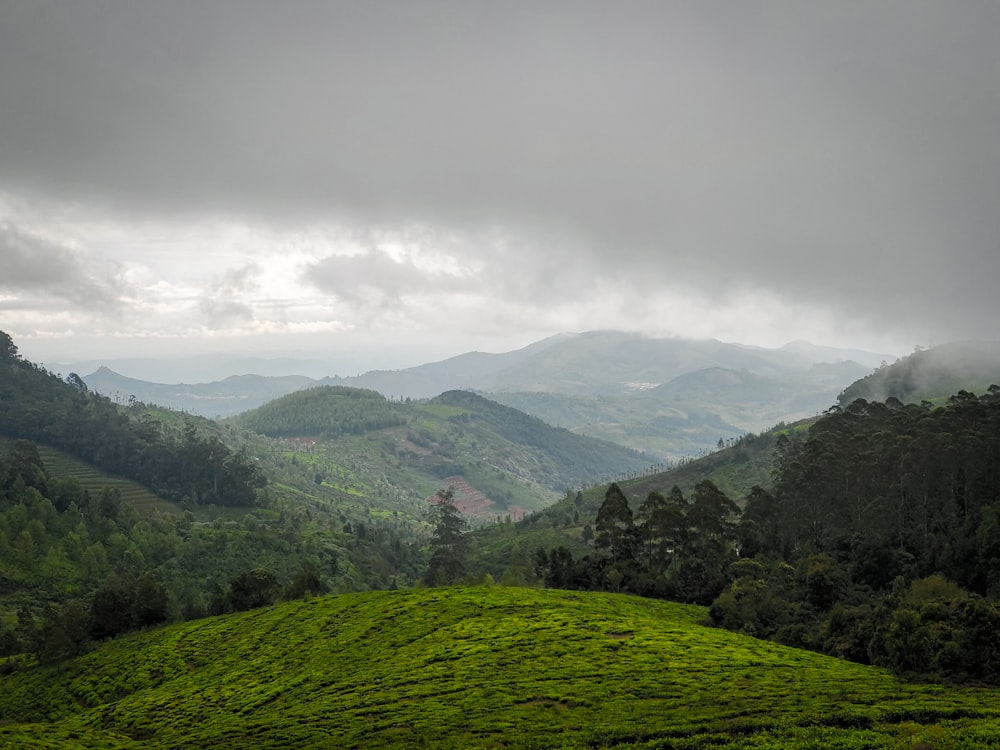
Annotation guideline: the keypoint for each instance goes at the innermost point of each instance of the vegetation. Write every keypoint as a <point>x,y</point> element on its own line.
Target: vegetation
<point>326,411</point>
<point>449,544</point>
<point>877,541</point>
<point>181,465</point>
<point>474,668</point>
<point>870,533</point>
<point>391,456</point>
<point>930,374</point>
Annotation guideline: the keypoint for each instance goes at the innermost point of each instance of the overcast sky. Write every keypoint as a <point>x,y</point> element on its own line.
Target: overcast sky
<point>415,179</point>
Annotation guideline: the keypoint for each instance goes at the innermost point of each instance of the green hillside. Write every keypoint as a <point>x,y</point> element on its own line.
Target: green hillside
<point>61,465</point>
<point>475,667</point>
<point>685,416</point>
<point>735,469</point>
<point>357,451</point>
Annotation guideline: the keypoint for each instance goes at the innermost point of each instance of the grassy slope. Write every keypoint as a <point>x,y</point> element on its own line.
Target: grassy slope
<point>475,667</point>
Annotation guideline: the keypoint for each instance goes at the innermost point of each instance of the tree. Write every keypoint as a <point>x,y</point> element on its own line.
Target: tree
<point>8,351</point>
<point>661,530</point>
<point>615,527</point>
<point>449,544</point>
<point>254,588</point>
<point>64,632</point>
<point>152,602</point>
<point>111,610</point>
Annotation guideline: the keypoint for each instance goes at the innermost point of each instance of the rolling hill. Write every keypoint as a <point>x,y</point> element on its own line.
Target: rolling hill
<point>668,397</point>
<point>389,456</point>
<point>475,668</point>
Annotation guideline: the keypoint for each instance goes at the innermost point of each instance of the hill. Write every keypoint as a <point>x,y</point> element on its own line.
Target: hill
<point>390,455</point>
<point>931,374</point>
<point>668,397</point>
<point>475,668</point>
<point>600,363</point>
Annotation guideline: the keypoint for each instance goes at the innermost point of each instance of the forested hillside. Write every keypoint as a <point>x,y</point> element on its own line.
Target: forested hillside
<point>324,411</point>
<point>877,540</point>
<point>86,554</point>
<point>394,454</point>
<point>931,374</point>
<point>178,464</point>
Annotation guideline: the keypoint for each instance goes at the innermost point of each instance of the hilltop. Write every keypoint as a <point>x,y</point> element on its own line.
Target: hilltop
<point>931,374</point>
<point>391,455</point>
<point>474,668</point>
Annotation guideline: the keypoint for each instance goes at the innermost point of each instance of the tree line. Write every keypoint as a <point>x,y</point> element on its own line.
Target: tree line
<point>878,541</point>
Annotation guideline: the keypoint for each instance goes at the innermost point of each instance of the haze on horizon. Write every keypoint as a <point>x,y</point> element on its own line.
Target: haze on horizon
<point>407,181</point>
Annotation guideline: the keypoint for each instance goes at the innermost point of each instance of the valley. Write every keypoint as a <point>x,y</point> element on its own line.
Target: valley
<point>596,600</point>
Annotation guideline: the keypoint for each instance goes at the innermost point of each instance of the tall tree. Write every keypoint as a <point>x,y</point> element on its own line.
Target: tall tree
<point>615,526</point>
<point>449,544</point>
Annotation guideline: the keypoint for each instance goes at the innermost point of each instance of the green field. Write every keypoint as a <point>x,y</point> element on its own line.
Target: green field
<point>486,667</point>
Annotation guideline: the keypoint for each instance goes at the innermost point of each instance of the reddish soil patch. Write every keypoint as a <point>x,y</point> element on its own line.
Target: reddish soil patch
<point>471,502</point>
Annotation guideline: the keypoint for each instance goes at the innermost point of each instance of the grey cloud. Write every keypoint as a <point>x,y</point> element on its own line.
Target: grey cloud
<point>219,314</point>
<point>839,154</point>
<point>32,266</point>
<point>221,308</point>
<point>372,277</point>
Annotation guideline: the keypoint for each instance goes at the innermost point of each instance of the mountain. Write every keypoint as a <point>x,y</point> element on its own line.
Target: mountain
<point>931,374</point>
<point>669,397</point>
<point>221,398</point>
<point>475,668</point>
<point>600,363</point>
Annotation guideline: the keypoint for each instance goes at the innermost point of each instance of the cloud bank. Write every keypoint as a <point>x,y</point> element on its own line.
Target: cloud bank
<point>761,170</point>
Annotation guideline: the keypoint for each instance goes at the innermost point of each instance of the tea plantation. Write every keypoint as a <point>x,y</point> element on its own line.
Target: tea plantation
<point>483,667</point>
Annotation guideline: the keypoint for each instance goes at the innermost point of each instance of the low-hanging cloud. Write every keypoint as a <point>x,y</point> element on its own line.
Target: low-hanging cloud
<point>840,156</point>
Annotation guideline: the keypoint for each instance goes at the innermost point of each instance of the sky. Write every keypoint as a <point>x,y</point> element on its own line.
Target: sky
<point>403,181</point>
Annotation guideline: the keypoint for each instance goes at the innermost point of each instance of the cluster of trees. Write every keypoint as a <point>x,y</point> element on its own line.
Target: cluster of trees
<point>671,547</point>
<point>78,566</point>
<point>42,407</point>
<point>879,540</point>
<point>324,411</point>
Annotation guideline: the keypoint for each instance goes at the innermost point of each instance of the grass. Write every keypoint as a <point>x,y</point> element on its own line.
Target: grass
<point>476,668</point>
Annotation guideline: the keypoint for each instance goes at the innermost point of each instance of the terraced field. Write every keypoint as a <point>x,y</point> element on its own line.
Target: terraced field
<point>61,465</point>
<point>486,667</point>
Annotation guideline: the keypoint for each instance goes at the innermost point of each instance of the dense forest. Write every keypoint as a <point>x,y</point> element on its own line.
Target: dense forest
<point>178,464</point>
<point>80,563</point>
<point>879,541</point>
<point>324,411</point>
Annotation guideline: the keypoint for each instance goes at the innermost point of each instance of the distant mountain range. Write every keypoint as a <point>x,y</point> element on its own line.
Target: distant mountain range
<point>669,397</point>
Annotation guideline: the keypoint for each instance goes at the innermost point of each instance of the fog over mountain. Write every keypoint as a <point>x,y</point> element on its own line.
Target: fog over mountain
<point>402,182</point>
